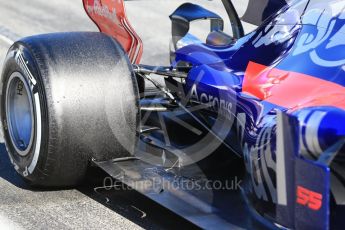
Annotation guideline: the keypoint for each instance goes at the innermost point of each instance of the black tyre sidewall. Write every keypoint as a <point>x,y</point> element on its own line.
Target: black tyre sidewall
<point>88,99</point>
<point>21,163</point>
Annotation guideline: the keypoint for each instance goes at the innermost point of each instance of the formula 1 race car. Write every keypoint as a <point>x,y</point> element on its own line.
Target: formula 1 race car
<point>246,132</point>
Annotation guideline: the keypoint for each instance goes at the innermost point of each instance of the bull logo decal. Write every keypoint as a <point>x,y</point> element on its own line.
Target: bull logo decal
<point>320,39</point>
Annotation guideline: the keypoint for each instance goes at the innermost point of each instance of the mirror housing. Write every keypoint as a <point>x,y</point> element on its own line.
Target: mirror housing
<point>188,12</point>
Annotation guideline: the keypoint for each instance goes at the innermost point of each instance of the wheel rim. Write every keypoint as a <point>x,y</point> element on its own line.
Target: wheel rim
<point>20,113</point>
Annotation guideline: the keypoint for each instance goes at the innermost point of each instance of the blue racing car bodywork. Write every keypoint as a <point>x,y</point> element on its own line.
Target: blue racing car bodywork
<point>239,130</point>
<point>294,64</point>
<point>275,98</point>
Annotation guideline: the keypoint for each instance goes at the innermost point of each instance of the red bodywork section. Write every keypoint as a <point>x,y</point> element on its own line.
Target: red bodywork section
<point>291,90</point>
<point>110,17</point>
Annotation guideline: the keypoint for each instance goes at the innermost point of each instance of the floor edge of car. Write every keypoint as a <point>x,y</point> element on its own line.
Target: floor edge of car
<point>205,208</point>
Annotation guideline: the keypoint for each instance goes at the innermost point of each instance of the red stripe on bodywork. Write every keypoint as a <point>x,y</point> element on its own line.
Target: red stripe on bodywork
<point>291,90</point>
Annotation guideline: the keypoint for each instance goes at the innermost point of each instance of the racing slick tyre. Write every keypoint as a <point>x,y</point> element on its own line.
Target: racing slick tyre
<point>67,98</point>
